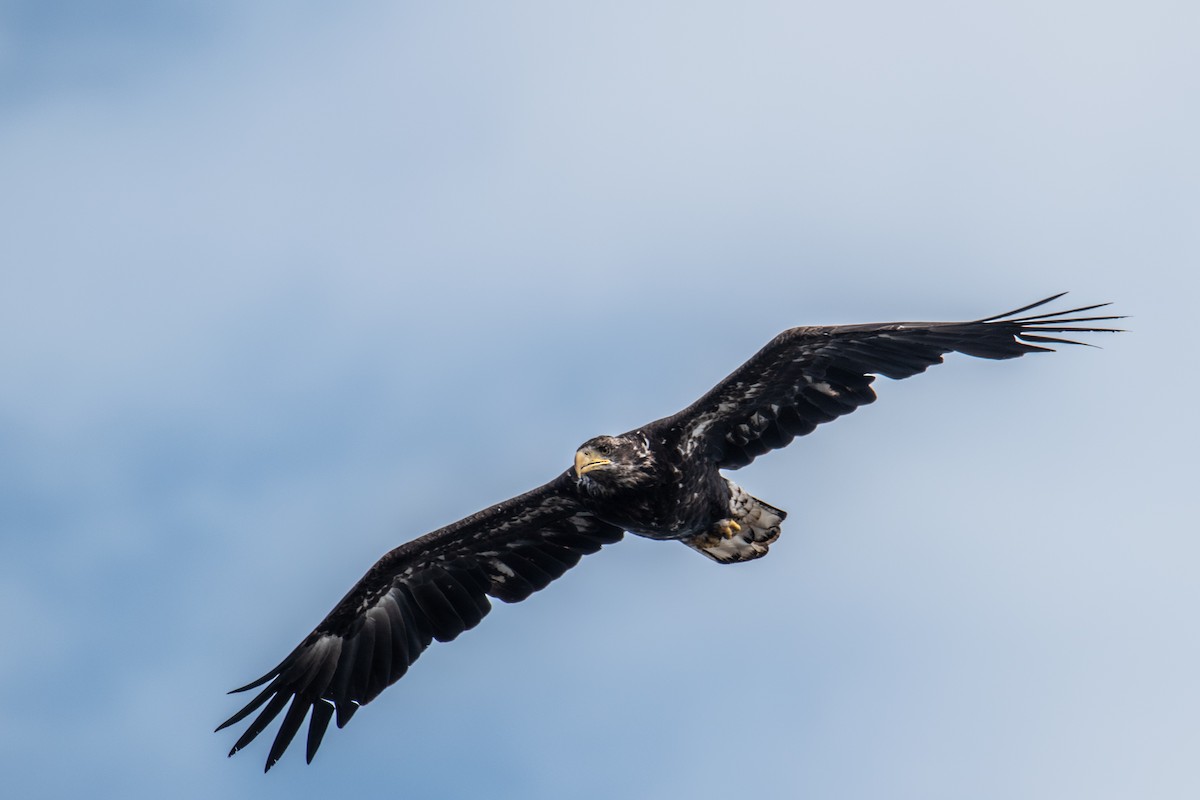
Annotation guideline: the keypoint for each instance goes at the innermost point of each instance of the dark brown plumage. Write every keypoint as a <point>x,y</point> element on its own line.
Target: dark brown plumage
<point>661,481</point>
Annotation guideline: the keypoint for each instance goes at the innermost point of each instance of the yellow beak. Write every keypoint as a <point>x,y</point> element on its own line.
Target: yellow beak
<point>586,461</point>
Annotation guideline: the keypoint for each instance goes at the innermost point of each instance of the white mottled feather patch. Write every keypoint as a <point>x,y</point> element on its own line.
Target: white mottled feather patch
<point>759,528</point>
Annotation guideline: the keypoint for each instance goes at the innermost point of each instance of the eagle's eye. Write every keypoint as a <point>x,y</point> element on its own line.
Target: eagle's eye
<point>604,448</point>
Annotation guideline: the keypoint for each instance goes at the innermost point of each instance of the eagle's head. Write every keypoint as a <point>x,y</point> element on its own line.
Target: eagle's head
<point>613,462</point>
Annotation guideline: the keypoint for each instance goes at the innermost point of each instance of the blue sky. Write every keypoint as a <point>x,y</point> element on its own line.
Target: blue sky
<point>284,286</point>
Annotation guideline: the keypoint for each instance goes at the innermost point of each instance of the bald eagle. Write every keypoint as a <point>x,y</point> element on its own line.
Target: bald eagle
<point>662,481</point>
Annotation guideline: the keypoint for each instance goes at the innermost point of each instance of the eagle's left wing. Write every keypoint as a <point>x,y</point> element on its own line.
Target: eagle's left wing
<point>806,376</point>
<point>433,587</point>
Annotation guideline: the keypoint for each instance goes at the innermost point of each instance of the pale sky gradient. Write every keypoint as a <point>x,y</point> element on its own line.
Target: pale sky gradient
<point>284,286</point>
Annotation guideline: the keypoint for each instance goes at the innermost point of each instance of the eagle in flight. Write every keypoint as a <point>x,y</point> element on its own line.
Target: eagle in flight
<point>662,481</point>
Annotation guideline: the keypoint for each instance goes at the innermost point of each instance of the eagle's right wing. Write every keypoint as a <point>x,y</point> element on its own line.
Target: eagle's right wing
<point>433,587</point>
<point>806,376</point>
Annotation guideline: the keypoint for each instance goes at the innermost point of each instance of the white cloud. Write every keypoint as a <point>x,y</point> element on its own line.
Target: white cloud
<point>266,296</point>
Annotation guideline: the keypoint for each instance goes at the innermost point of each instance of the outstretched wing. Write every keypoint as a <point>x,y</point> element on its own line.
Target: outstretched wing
<point>434,587</point>
<point>806,376</point>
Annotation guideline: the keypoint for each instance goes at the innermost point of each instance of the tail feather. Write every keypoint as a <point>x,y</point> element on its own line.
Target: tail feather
<point>747,534</point>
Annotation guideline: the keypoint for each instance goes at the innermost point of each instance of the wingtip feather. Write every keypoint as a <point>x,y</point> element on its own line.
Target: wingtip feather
<point>1042,302</point>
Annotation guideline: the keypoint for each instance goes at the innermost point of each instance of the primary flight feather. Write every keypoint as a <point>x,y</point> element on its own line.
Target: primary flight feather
<point>661,481</point>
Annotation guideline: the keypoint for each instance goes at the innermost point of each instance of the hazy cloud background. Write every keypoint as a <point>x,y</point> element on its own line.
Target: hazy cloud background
<point>283,286</point>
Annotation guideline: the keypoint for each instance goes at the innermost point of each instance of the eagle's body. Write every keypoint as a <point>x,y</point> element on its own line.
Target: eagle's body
<point>662,481</point>
<point>665,498</point>
<point>670,496</point>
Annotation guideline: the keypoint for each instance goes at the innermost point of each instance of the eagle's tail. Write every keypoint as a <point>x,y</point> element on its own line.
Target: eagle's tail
<point>747,534</point>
